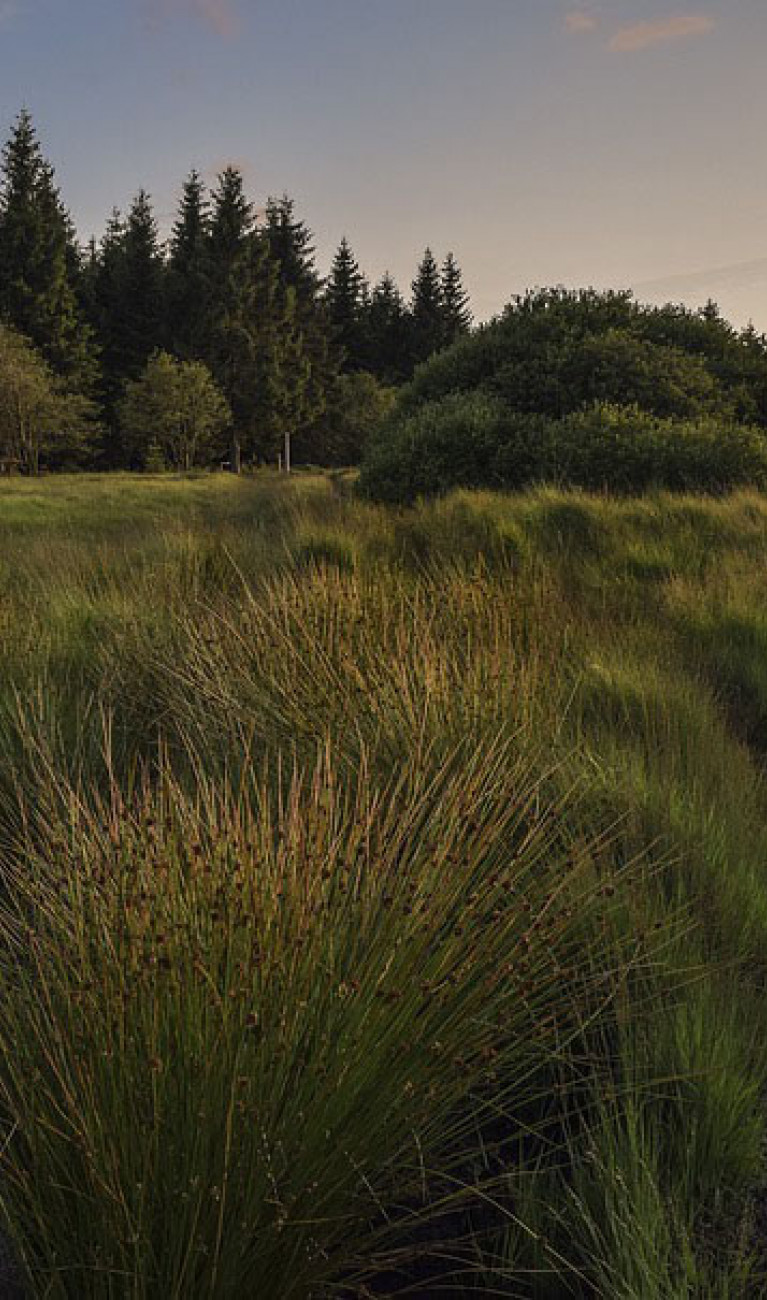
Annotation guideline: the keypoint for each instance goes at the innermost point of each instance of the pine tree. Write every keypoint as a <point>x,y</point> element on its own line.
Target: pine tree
<point>142,274</point>
<point>346,298</point>
<point>387,333</point>
<point>427,329</point>
<point>123,282</point>
<point>291,245</point>
<point>38,260</point>
<point>188,276</point>
<point>123,291</point>
<point>456,313</point>
<point>246,322</point>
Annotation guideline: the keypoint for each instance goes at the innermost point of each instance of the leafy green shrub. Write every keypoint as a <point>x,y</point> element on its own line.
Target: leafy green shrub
<point>554,351</point>
<point>626,450</point>
<point>357,407</point>
<point>471,440</point>
<point>579,388</point>
<point>440,446</point>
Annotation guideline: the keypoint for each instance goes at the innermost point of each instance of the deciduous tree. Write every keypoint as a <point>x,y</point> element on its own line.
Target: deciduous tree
<point>177,407</point>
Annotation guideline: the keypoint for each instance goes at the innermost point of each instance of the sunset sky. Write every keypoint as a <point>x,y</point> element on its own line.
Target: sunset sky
<point>606,142</point>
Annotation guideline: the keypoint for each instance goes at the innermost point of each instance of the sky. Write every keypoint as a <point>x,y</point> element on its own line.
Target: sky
<point>616,143</point>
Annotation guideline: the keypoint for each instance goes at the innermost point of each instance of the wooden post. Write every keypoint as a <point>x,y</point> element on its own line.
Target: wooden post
<point>287,452</point>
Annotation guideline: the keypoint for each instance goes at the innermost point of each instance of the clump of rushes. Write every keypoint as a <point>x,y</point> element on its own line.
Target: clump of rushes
<point>239,1030</point>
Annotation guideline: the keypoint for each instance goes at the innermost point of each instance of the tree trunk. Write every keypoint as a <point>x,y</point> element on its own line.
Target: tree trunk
<point>235,454</point>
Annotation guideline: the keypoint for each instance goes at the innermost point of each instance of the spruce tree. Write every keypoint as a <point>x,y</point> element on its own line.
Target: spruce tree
<point>456,314</point>
<point>188,275</point>
<point>38,260</point>
<point>142,272</point>
<point>346,298</point>
<point>427,321</point>
<point>291,245</point>
<point>246,322</point>
<point>123,293</point>
<point>387,333</point>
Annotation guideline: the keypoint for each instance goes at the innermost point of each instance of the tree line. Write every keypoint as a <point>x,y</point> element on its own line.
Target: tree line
<point>206,347</point>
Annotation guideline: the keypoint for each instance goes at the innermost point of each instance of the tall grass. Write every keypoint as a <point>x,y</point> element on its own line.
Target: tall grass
<point>384,905</point>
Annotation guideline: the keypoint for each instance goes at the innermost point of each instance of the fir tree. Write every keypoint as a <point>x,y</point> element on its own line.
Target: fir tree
<point>231,223</point>
<point>188,276</point>
<point>292,247</point>
<point>346,298</point>
<point>246,322</point>
<point>38,260</point>
<point>456,314</point>
<point>142,273</point>
<point>123,292</point>
<point>387,333</point>
<point>427,328</point>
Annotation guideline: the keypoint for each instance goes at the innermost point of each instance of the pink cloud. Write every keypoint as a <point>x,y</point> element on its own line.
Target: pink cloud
<point>219,15</point>
<point>579,21</point>
<point>642,35</point>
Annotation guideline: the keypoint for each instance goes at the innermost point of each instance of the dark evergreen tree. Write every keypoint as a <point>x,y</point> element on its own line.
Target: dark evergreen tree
<point>188,274</point>
<point>456,313</point>
<point>123,283</point>
<point>142,274</point>
<point>291,246</point>
<point>252,337</point>
<point>387,333</point>
<point>346,298</point>
<point>427,328</point>
<point>38,260</point>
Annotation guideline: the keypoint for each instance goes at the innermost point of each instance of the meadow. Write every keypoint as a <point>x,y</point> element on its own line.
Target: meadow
<point>384,902</point>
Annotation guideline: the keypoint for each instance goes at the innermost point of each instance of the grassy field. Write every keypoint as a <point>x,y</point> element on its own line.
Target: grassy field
<point>385,894</point>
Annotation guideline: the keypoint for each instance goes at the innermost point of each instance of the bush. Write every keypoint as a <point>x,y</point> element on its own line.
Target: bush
<point>626,450</point>
<point>356,410</point>
<point>555,352</point>
<point>466,440</point>
<point>579,388</point>
<point>471,440</point>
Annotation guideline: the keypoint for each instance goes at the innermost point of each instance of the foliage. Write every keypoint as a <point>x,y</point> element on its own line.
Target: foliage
<point>241,295</point>
<point>474,440</point>
<point>37,260</point>
<point>176,408</point>
<point>554,351</point>
<point>456,312</point>
<point>188,274</point>
<point>582,388</point>
<point>346,296</point>
<point>440,446</point>
<point>39,420</point>
<point>357,407</point>
<point>386,329</point>
<point>427,332</point>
